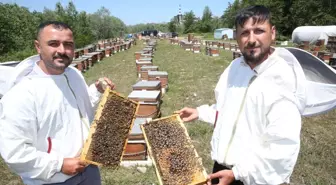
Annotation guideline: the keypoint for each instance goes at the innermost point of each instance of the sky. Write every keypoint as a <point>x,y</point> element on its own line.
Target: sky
<point>133,11</point>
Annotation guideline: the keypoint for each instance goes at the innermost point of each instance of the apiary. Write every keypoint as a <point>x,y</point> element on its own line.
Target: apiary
<point>144,71</point>
<point>110,129</point>
<point>174,157</point>
<point>161,76</point>
<point>149,103</point>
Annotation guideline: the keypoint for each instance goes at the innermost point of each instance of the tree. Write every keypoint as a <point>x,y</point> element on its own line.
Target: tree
<point>206,21</point>
<point>172,25</point>
<point>189,22</point>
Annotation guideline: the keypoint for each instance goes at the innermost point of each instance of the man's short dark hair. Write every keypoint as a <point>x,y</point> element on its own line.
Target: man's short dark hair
<point>56,24</point>
<point>258,13</point>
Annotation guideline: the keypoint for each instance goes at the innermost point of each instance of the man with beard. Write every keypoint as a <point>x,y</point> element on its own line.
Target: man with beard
<point>45,116</point>
<point>256,116</point>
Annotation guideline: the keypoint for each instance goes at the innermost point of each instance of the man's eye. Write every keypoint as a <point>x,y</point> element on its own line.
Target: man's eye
<point>68,44</point>
<point>53,44</point>
<point>259,31</point>
<point>245,33</point>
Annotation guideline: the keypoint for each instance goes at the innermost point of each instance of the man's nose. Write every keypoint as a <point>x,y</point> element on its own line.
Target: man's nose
<point>251,38</point>
<point>61,49</point>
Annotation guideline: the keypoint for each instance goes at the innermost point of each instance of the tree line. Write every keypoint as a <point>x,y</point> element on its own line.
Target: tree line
<point>286,15</point>
<point>18,28</point>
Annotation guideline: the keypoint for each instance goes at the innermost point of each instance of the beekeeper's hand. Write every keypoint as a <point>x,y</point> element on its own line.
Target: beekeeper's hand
<point>72,166</point>
<point>102,83</point>
<point>226,177</point>
<point>187,114</point>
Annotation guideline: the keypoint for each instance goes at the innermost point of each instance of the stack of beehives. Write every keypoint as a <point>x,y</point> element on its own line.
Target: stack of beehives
<point>147,91</point>
<point>86,57</point>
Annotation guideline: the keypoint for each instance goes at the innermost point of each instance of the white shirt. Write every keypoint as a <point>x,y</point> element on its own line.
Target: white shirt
<point>258,125</point>
<point>43,119</point>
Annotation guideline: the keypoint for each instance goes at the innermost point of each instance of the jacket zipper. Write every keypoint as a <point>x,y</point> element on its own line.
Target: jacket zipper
<point>80,114</point>
<point>237,119</point>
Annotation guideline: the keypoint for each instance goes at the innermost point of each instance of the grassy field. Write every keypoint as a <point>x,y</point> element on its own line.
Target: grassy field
<point>192,78</point>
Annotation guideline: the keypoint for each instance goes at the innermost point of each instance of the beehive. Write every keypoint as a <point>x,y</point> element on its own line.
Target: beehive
<point>108,51</point>
<point>136,132</point>
<point>214,51</point>
<point>110,129</point>
<point>149,103</point>
<point>143,62</point>
<point>227,46</point>
<point>196,48</point>
<point>161,76</point>
<point>147,86</point>
<point>144,71</point>
<point>174,157</point>
<point>137,55</point>
<point>80,63</point>
<point>136,148</point>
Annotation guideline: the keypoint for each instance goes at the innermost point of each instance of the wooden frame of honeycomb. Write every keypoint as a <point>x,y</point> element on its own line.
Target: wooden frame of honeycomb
<point>86,154</point>
<point>163,164</point>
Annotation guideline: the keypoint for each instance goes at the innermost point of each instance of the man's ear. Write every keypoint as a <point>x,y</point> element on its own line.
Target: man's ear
<point>273,33</point>
<point>37,46</point>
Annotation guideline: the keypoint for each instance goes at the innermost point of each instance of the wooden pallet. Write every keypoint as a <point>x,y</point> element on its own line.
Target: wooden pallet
<point>200,177</point>
<point>86,154</point>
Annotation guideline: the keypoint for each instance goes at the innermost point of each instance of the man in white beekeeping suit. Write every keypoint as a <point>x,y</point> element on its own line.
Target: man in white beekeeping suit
<point>45,115</point>
<point>257,114</point>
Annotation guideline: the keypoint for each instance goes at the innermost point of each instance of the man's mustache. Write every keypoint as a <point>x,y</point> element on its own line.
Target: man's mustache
<point>251,46</point>
<point>57,56</point>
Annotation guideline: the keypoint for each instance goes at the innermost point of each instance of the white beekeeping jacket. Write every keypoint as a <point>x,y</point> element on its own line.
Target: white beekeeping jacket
<point>258,115</point>
<point>43,119</point>
<point>320,81</point>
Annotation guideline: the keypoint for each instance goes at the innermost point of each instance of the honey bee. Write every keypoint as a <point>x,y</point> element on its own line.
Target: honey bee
<point>112,130</point>
<point>173,151</point>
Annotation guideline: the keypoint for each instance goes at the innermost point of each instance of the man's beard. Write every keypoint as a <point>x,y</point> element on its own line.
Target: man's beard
<point>65,60</point>
<point>251,57</point>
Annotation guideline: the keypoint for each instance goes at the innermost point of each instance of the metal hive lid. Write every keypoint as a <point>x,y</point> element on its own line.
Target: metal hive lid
<point>136,126</point>
<point>146,83</point>
<point>149,67</point>
<point>144,94</point>
<point>159,73</point>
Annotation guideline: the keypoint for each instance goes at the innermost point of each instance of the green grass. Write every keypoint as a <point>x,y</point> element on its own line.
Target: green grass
<point>192,79</point>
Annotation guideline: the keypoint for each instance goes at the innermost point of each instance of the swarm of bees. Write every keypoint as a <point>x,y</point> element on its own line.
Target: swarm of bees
<point>113,126</point>
<point>172,151</point>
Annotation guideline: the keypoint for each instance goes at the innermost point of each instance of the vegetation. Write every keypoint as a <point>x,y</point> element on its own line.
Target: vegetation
<point>18,27</point>
<point>287,15</point>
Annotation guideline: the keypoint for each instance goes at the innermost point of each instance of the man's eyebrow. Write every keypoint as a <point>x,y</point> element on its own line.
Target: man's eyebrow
<point>69,42</point>
<point>49,41</point>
